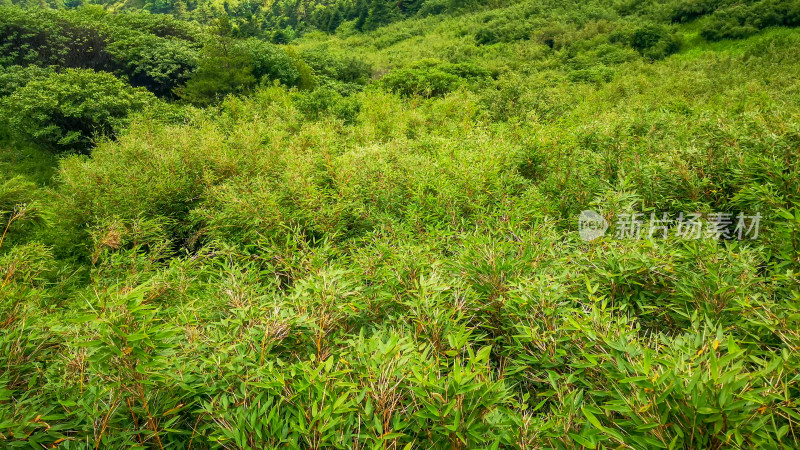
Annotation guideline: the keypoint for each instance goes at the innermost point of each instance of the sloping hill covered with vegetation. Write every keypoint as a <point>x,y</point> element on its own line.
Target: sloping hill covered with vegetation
<point>372,238</point>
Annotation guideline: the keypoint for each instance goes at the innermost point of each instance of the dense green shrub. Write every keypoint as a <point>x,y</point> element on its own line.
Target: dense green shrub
<point>769,13</point>
<point>159,65</point>
<point>270,62</point>
<point>325,102</point>
<point>742,20</point>
<point>67,111</point>
<point>597,74</point>
<point>257,275</point>
<point>15,77</point>
<point>511,31</point>
<point>149,51</point>
<point>511,97</point>
<point>654,41</point>
<point>229,66</point>
<point>601,58</point>
<point>486,36</point>
<point>466,70</point>
<point>686,11</point>
<point>434,7</point>
<point>729,23</point>
<point>223,69</point>
<point>306,79</point>
<point>347,69</point>
<point>31,37</point>
<point>422,81</point>
<point>160,25</point>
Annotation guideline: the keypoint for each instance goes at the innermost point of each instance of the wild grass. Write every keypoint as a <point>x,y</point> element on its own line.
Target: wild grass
<point>410,274</point>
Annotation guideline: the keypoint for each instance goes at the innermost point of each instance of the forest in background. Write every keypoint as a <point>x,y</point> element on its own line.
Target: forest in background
<point>355,224</point>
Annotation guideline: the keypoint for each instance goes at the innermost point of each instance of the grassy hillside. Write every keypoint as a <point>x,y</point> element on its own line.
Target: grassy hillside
<point>371,239</point>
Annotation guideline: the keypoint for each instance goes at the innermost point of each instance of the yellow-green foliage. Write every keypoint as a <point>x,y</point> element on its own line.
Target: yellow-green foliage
<point>364,268</point>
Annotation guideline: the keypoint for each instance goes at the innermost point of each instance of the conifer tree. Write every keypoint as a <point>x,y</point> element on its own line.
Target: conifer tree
<point>380,13</point>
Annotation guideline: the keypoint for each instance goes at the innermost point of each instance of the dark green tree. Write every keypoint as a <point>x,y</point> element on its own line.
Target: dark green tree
<point>67,111</point>
<point>362,12</point>
<point>381,12</point>
<point>160,65</point>
<point>224,69</point>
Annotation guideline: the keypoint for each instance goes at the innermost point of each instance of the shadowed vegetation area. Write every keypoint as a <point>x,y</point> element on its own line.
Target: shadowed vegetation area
<point>355,224</point>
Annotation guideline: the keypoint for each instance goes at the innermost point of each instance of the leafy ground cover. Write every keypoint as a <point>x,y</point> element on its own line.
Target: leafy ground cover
<point>370,239</point>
